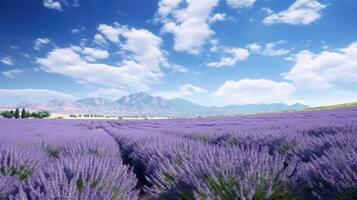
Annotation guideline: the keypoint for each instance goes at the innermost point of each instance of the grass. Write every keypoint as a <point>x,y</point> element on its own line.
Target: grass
<point>345,105</point>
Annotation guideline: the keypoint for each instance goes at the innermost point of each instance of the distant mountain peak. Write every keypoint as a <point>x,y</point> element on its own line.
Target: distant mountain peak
<point>142,103</point>
<point>95,101</point>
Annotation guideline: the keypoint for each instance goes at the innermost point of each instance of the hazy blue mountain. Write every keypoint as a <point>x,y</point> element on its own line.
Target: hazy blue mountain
<point>57,106</point>
<point>187,106</point>
<point>96,101</point>
<point>143,104</point>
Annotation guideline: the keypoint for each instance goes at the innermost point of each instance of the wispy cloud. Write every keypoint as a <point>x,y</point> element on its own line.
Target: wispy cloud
<point>40,42</point>
<point>7,60</point>
<point>269,49</point>
<point>302,12</point>
<point>183,91</point>
<point>59,4</point>
<point>15,96</point>
<point>235,55</point>
<point>240,3</point>
<point>217,17</point>
<point>52,4</point>
<point>11,73</point>
<point>78,30</point>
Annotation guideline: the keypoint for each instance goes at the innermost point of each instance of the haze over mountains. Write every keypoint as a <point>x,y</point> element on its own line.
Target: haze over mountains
<point>143,104</point>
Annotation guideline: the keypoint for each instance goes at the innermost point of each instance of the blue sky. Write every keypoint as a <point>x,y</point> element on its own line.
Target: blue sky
<point>212,52</point>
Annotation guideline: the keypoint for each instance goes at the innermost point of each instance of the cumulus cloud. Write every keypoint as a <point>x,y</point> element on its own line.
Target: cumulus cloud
<point>183,91</point>
<point>301,12</point>
<point>15,96</point>
<point>111,32</point>
<point>320,71</point>
<point>189,24</point>
<point>236,54</point>
<point>40,42</point>
<point>141,66</point>
<point>52,4</point>
<point>11,73</point>
<point>7,60</point>
<point>93,54</point>
<point>250,91</point>
<point>240,3</point>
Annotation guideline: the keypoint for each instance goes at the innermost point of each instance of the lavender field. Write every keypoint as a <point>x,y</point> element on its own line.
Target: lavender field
<point>296,155</point>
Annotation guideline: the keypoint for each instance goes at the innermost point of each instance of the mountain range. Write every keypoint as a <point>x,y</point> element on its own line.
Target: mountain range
<point>143,104</point>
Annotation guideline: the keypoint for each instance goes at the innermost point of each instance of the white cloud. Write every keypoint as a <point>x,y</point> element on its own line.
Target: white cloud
<point>111,32</point>
<point>251,91</point>
<point>166,7</point>
<point>268,11</point>
<point>100,40</point>
<point>39,42</point>
<point>57,4</point>
<point>237,54</point>
<point>26,55</point>
<point>68,62</point>
<point>178,68</point>
<point>75,31</point>
<point>240,3</point>
<point>7,60</point>
<point>94,54</point>
<point>15,96</point>
<point>183,91</point>
<point>217,17</point>
<point>52,4</point>
<point>214,45</point>
<point>189,25</point>
<point>320,71</point>
<point>269,49</point>
<point>254,47</point>
<point>78,30</point>
<point>11,73</point>
<point>141,66</point>
<point>301,12</point>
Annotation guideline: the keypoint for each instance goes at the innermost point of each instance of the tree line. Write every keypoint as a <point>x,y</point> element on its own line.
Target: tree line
<point>25,114</point>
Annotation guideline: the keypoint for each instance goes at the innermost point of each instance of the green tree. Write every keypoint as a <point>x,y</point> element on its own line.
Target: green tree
<point>6,114</point>
<point>41,114</point>
<point>17,113</point>
<point>23,113</point>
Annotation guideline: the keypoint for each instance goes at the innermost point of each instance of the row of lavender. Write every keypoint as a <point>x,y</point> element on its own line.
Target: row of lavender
<point>307,155</point>
<point>45,159</point>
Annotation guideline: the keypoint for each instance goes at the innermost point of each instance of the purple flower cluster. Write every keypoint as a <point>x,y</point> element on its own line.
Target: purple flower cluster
<point>86,166</point>
<point>294,155</point>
